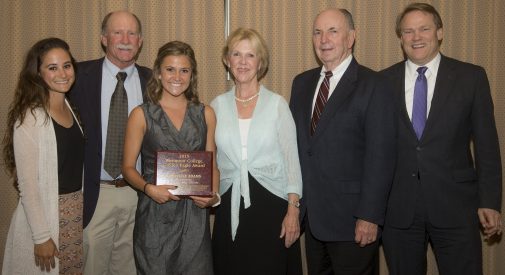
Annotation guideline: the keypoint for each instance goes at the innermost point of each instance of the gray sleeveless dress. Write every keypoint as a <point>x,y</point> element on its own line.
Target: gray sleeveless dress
<point>171,238</point>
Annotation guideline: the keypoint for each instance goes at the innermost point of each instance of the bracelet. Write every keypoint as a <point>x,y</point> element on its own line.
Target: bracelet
<point>218,200</point>
<point>144,189</point>
<point>295,203</point>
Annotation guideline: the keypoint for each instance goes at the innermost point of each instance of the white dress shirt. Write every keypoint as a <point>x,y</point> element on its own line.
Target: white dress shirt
<point>338,72</point>
<point>410,81</point>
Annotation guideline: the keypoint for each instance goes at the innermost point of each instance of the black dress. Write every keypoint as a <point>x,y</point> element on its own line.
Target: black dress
<point>257,248</point>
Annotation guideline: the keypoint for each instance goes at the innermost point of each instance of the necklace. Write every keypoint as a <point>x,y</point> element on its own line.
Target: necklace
<point>246,101</point>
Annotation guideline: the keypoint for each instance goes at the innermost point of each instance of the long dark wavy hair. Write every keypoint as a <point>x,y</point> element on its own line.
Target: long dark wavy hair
<point>173,48</point>
<point>31,92</point>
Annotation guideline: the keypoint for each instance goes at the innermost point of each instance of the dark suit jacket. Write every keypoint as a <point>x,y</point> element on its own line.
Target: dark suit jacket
<point>86,97</point>
<point>440,166</point>
<point>347,166</point>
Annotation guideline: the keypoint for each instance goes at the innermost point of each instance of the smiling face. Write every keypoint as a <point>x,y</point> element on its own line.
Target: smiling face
<point>244,63</point>
<point>332,38</point>
<point>175,74</point>
<point>420,37</point>
<point>122,39</point>
<point>57,71</point>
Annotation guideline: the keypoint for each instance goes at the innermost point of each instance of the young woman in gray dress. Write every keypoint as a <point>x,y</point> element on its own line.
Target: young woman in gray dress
<point>172,234</point>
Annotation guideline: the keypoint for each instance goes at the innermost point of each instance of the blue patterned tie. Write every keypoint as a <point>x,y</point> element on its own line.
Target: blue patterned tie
<point>419,107</point>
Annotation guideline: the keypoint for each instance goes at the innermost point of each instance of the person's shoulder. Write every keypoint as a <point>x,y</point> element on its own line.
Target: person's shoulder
<point>271,96</point>
<point>34,117</point>
<point>147,104</point>
<point>393,70</point>
<point>368,74</point>
<point>208,111</point>
<point>308,73</point>
<point>145,109</point>
<point>459,64</point>
<point>143,69</point>
<point>366,70</point>
<point>221,97</point>
<point>140,108</point>
<point>89,67</point>
<point>90,63</point>
<point>199,106</point>
<point>266,91</point>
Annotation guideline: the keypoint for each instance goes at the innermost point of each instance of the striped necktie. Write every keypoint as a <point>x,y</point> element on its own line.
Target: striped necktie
<point>322,98</point>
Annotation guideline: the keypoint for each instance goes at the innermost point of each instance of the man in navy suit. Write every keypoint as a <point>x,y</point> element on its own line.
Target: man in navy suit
<point>441,191</point>
<point>346,132</point>
<point>109,202</point>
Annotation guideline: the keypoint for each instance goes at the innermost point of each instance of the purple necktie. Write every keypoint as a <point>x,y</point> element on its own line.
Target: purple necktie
<point>419,107</point>
<point>322,98</point>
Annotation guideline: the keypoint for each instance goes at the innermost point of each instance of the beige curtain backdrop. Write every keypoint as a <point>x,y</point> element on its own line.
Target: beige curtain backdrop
<point>473,32</point>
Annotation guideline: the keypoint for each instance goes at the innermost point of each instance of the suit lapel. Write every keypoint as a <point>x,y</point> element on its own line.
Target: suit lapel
<point>93,80</point>
<point>144,77</point>
<point>307,99</point>
<point>443,88</point>
<point>399,88</point>
<point>343,90</point>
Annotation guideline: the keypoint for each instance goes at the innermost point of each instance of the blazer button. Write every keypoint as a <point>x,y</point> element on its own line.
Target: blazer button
<point>418,148</point>
<point>309,153</point>
<point>414,174</point>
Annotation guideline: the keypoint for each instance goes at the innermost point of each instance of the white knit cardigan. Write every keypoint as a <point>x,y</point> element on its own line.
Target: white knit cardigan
<point>36,218</point>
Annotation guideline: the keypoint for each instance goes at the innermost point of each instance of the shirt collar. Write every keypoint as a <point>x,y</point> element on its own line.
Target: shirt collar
<point>340,69</point>
<point>432,66</point>
<point>113,69</point>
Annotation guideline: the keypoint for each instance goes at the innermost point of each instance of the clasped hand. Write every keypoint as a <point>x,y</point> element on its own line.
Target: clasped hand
<point>204,202</point>
<point>365,232</point>
<point>490,221</point>
<point>161,194</point>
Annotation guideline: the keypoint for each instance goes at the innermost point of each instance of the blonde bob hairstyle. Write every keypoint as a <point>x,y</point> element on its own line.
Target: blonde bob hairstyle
<point>258,44</point>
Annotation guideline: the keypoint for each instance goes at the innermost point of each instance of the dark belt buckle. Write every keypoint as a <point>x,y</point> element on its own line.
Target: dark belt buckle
<point>119,183</point>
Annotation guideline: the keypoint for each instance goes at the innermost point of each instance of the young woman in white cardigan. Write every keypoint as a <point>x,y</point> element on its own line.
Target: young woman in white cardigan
<point>44,152</point>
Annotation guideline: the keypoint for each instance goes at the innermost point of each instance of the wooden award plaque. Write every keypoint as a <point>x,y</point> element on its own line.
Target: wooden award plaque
<point>190,171</point>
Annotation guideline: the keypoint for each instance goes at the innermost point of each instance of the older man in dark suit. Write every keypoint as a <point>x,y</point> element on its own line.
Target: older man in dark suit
<point>440,192</point>
<point>105,88</point>
<point>346,130</point>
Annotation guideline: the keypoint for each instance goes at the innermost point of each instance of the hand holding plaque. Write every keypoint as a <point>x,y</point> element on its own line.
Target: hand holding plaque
<point>190,171</point>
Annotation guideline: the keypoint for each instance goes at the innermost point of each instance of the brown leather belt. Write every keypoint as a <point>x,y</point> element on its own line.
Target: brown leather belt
<point>117,182</point>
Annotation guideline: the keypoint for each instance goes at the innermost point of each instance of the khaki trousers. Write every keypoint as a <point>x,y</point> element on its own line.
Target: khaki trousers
<point>108,238</point>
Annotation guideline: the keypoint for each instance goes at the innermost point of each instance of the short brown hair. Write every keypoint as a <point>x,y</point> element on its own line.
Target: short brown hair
<point>423,7</point>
